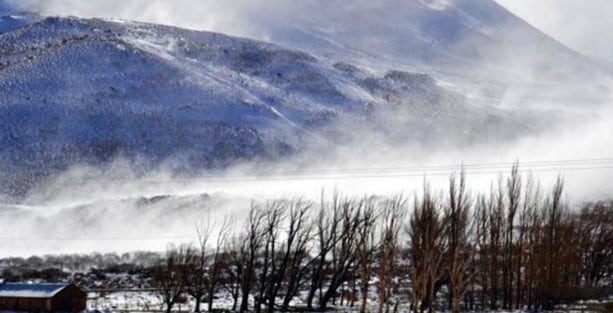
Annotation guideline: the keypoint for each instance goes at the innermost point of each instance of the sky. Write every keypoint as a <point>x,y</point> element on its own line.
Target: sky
<point>584,25</point>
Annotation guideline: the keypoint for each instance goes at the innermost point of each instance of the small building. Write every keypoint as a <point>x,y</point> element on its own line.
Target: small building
<point>21,297</point>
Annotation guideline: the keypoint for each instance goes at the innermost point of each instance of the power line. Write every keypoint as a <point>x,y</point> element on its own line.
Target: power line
<point>474,165</point>
<point>379,172</point>
<point>433,168</point>
<point>382,175</point>
<point>406,171</point>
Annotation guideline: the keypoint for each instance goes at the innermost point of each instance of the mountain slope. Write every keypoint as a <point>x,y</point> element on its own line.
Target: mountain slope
<point>92,83</point>
<point>87,91</point>
<point>460,37</point>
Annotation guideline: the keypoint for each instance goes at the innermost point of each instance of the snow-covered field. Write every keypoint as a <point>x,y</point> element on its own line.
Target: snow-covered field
<point>131,301</point>
<point>150,301</point>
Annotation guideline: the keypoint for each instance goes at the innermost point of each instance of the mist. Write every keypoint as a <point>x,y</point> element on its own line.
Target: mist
<point>117,208</point>
<point>235,17</point>
<point>582,26</point>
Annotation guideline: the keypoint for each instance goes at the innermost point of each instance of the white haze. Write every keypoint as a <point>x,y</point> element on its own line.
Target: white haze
<point>88,209</point>
<point>117,209</point>
<point>230,16</point>
<point>582,25</point>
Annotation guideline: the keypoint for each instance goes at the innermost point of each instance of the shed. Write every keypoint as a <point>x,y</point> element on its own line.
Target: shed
<point>42,297</point>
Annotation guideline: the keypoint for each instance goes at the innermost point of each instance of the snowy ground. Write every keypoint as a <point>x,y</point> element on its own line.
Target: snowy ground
<point>150,301</point>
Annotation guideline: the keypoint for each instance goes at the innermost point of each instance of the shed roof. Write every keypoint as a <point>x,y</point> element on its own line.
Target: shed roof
<point>21,290</point>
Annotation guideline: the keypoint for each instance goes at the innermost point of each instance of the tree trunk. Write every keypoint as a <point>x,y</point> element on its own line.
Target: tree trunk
<point>244,301</point>
<point>234,303</point>
<point>197,308</point>
<point>210,302</point>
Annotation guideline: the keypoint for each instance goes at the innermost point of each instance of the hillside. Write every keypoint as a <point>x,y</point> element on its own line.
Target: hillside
<point>87,90</point>
<point>466,38</point>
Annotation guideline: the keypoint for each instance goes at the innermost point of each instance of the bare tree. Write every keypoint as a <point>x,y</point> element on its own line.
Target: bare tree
<point>294,261</point>
<point>170,276</point>
<point>344,253</point>
<point>273,213</point>
<point>205,269</point>
<point>286,231</point>
<point>482,247</point>
<point>534,236</point>
<point>555,211</point>
<point>252,241</point>
<point>426,235</point>
<point>513,196</point>
<point>197,280</point>
<point>327,235</point>
<point>389,250</point>
<point>496,216</point>
<point>596,232</point>
<point>216,264</point>
<point>231,261</point>
<point>530,204</point>
<point>366,248</point>
<point>458,232</point>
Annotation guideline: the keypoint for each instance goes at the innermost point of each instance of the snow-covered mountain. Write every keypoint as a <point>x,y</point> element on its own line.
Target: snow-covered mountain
<point>462,37</point>
<point>76,90</point>
<point>452,36</point>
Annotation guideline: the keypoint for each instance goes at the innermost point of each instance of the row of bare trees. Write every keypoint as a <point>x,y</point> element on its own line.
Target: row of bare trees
<point>514,247</point>
<point>532,251</point>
